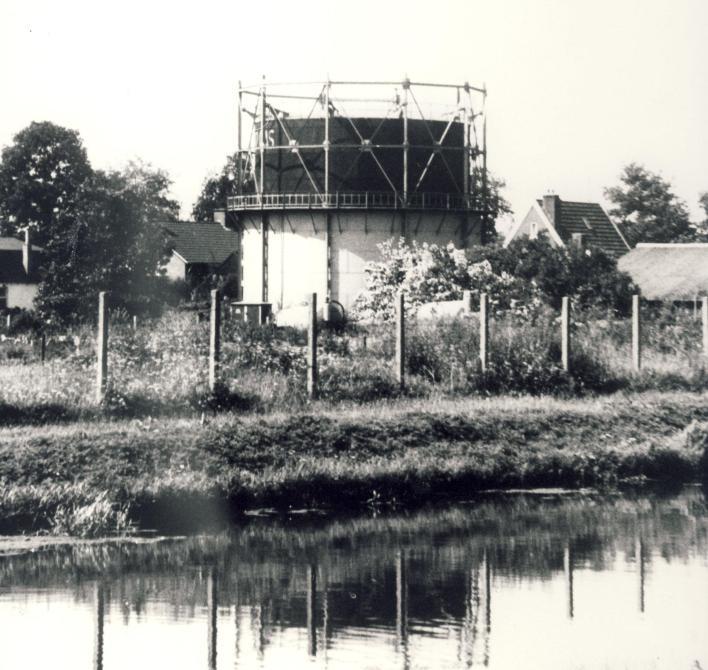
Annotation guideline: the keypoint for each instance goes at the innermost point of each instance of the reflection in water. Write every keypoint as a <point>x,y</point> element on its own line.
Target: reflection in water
<point>640,563</point>
<point>98,641</point>
<point>515,581</point>
<point>212,592</point>
<point>568,567</point>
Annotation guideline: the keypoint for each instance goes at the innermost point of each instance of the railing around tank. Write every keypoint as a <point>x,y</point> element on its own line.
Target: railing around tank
<point>354,200</point>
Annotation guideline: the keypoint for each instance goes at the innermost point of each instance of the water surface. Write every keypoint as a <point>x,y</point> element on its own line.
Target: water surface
<point>512,581</point>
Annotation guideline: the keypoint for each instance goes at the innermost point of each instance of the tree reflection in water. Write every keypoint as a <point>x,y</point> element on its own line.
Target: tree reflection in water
<point>396,591</point>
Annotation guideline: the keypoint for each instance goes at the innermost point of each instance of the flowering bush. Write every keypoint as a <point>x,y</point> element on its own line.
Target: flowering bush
<point>431,273</point>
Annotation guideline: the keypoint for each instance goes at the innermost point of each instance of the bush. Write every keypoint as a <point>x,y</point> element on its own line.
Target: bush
<point>525,273</point>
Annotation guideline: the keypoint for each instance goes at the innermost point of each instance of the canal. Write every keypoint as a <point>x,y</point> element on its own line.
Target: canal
<point>543,579</point>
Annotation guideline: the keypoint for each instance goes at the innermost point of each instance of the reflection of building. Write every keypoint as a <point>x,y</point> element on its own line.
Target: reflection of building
<point>19,278</point>
<point>330,186</point>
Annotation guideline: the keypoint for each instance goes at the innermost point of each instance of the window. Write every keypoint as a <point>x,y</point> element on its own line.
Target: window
<point>3,297</point>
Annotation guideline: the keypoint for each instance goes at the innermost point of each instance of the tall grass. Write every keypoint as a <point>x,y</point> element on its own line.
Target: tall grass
<point>161,369</point>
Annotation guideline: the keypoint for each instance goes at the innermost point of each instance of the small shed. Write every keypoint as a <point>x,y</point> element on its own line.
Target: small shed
<point>668,272</point>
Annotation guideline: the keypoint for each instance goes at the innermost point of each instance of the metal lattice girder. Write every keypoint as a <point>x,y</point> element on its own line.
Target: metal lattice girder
<point>263,114</point>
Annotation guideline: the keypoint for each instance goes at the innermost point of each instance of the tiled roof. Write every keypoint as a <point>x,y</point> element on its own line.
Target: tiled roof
<point>668,271</point>
<point>11,269</point>
<point>202,242</point>
<point>589,219</point>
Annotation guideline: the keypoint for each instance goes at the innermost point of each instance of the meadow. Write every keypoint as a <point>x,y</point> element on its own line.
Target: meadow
<point>161,367</point>
<point>162,451</point>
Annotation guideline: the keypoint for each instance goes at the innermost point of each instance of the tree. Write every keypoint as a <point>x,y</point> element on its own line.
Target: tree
<point>42,174</point>
<point>493,203</point>
<point>646,210</point>
<point>114,245</point>
<point>702,227</point>
<point>217,188</point>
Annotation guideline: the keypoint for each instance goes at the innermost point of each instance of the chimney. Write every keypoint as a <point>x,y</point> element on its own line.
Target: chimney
<point>552,207</point>
<point>27,259</point>
<point>220,217</point>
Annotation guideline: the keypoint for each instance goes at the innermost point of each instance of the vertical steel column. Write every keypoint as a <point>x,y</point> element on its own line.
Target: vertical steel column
<point>328,253</point>
<point>265,224</point>
<point>326,143</point>
<point>261,140</point>
<point>468,142</point>
<point>406,143</point>
<point>239,148</point>
<point>102,348</point>
<point>485,194</point>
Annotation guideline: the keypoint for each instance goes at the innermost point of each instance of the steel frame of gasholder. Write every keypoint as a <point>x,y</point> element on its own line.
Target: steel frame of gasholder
<point>468,107</point>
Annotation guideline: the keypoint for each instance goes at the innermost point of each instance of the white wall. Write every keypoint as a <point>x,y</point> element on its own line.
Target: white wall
<point>252,259</point>
<point>21,295</point>
<point>176,268</point>
<point>297,250</point>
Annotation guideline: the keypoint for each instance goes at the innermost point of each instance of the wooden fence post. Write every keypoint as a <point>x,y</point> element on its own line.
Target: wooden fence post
<point>102,347</point>
<point>214,339</point>
<point>483,331</point>
<point>466,301</point>
<point>135,322</point>
<point>8,321</point>
<point>312,349</point>
<point>565,333</point>
<point>704,314</point>
<point>42,348</point>
<point>636,334</point>
<point>401,339</point>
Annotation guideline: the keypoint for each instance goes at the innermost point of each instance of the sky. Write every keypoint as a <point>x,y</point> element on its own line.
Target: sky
<point>576,89</point>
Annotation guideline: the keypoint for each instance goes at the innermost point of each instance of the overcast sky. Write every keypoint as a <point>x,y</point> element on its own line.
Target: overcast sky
<point>577,89</point>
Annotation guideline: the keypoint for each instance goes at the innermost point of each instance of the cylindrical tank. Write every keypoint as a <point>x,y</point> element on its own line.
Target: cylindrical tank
<point>394,176</point>
<point>354,167</point>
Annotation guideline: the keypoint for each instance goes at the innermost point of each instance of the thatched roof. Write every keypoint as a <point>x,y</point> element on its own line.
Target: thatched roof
<point>668,271</point>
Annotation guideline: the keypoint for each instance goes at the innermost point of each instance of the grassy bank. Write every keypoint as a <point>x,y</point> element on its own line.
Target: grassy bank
<point>91,477</point>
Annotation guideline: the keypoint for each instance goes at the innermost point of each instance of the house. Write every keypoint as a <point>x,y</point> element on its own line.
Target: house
<point>200,250</point>
<point>19,276</point>
<point>571,223</point>
<point>668,272</point>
